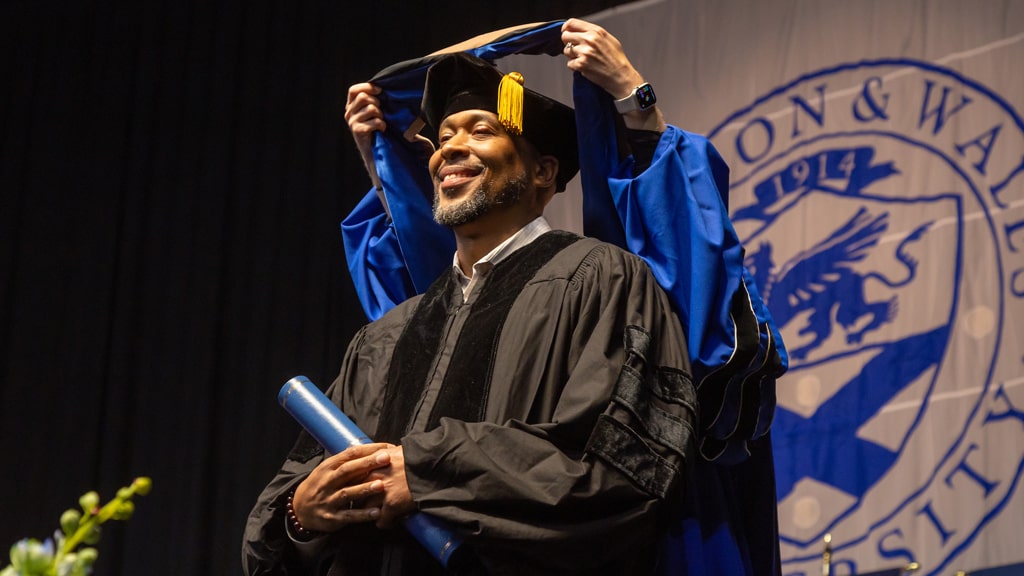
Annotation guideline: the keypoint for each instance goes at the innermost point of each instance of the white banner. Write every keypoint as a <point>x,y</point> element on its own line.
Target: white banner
<point>877,165</point>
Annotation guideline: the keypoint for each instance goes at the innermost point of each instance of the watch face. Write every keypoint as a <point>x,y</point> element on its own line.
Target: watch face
<point>645,96</point>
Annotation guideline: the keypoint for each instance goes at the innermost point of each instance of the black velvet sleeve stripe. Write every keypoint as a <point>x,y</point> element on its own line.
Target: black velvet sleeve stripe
<point>637,341</point>
<point>673,432</point>
<point>649,424</point>
<point>623,449</point>
<point>678,388</point>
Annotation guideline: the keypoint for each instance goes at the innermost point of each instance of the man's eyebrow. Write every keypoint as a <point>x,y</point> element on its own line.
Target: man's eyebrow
<point>476,116</point>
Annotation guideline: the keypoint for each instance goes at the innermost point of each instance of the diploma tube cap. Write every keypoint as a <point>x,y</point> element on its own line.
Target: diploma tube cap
<point>334,430</point>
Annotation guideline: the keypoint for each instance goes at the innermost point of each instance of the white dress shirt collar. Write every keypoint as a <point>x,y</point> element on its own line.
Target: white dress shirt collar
<point>481,267</point>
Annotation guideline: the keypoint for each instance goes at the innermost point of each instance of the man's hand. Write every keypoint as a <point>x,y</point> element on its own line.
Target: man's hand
<point>397,501</point>
<point>598,56</point>
<point>332,496</point>
<point>364,117</point>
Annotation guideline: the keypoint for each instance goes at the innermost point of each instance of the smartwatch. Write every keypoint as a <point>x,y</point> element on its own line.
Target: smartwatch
<point>641,98</point>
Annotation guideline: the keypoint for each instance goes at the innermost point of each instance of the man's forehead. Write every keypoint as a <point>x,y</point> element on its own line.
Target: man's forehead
<point>469,116</point>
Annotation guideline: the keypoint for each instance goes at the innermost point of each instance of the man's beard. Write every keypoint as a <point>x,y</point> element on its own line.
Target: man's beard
<point>479,203</point>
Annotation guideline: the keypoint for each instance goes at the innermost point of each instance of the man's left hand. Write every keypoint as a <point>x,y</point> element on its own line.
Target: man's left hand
<point>397,502</point>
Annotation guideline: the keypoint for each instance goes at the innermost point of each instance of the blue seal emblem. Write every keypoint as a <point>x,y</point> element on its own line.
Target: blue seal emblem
<point>881,204</point>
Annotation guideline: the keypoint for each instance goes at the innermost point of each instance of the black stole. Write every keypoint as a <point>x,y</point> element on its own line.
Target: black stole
<point>465,387</point>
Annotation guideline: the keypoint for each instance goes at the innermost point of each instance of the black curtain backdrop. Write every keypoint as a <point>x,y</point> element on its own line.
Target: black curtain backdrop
<point>172,176</point>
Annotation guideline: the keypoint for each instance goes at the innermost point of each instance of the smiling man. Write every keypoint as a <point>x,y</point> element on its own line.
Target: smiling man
<point>537,398</point>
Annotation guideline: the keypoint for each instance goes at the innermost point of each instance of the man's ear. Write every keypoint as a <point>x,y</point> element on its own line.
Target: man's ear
<point>546,174</point>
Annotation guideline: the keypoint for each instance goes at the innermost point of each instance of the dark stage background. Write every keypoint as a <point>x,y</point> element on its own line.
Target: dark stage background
<point>172,176</point>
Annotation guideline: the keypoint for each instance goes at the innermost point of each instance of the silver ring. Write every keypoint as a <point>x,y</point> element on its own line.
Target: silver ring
<point>351,505</point>
<point>569,46</point>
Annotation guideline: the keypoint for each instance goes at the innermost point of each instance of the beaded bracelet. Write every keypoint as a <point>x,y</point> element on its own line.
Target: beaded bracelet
<point>301,534</point>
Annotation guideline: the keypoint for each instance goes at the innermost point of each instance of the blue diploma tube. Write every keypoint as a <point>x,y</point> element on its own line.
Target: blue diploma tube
<point>335,432</point>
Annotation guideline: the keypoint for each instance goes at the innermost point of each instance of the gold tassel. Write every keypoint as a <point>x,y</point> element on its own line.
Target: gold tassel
<point>510,102</point>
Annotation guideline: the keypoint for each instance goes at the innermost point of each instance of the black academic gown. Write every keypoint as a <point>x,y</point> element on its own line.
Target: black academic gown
<point>548,419</point>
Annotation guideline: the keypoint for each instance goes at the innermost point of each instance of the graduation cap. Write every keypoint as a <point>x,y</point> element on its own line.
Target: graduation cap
<point>460,81</point>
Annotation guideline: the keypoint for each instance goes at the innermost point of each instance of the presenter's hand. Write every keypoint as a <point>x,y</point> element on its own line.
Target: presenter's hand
<point>397,502</point>
<point>599,57</point>
<point>332,496</point>
<point>364,117</point>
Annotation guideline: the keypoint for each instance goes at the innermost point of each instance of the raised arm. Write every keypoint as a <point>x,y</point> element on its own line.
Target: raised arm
<point>665,199</point>
<point>384,273</point>
<point>365,119</point>
<point>599,57</point>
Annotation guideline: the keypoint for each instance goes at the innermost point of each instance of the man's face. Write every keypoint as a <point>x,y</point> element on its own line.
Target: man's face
<point>477,168</point>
